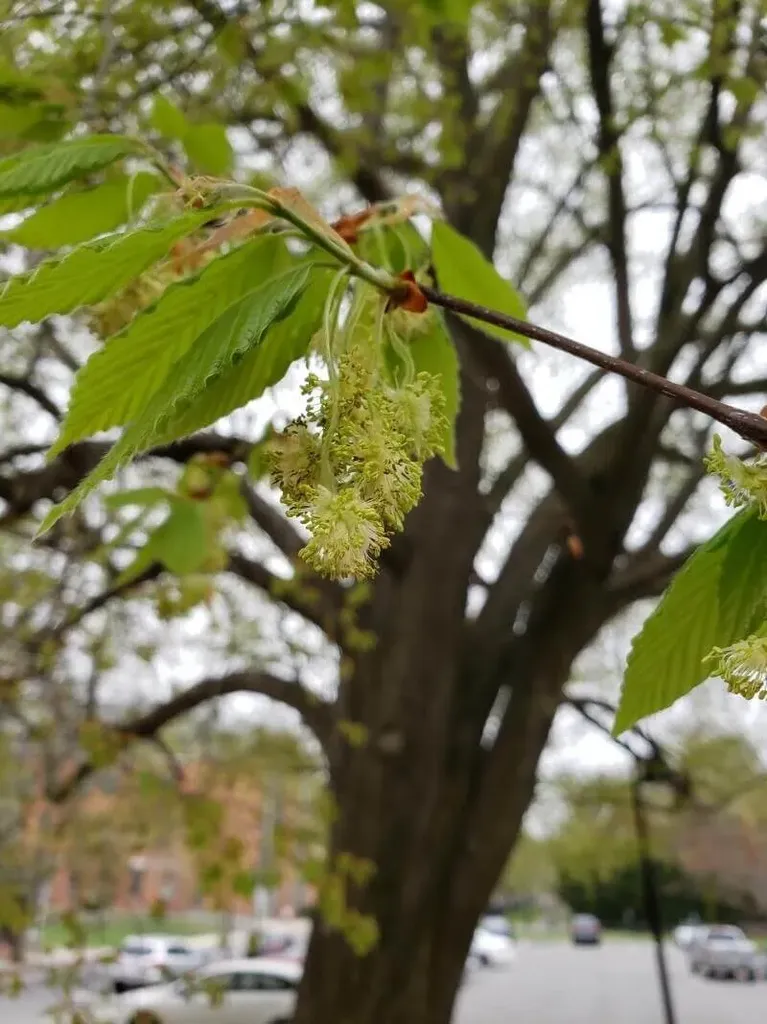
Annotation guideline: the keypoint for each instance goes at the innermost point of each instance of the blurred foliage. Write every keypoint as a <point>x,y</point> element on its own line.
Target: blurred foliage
<point>709,849</point>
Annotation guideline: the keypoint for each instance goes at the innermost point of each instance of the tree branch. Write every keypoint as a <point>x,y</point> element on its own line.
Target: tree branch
<point>497,147</point>
<point>600,60</point>
<point>107,595</point>
<point>509,475</point>
<point>19,450</point>
<point>23,490</point>
<point>747,425</point>
<point>675,507</point>
<point>367,179</point>
<point>585,706</point>
<point>646,577</point>
<point>537,435</point>
<point>683,267</point>
<point>317,600</point>
<point>26,387</point>
<point>315,713</point>
<point>757,386</point>
<point>541,241</point>
<point>274,524</point>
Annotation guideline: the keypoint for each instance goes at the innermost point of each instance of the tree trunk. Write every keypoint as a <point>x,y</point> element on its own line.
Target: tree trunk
<point>14,941</point>
<point>425,904</point>
<point>403,798</point>
<point>342,987</point>
<point>431,800</point>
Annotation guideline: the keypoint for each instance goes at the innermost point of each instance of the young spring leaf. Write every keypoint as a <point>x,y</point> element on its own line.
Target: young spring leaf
<point>15,204</point>
<point>119,380</point>
<point>696,613</point>
<point>91,272</point>
<point>232,42</point>
<point>42,169</point>
<point>223,344</point>
<point>433,352</point>
<point>743,581</point>
<point>31,122</point>
<point>262,367</point>
<point>208,148</point>
<point>398,247</point>
<point>180,543</point>
<point>142,497</point>
<point>80,216</point>
<point>463,271</point>
<point>449,13</point>
<point>168,119</point>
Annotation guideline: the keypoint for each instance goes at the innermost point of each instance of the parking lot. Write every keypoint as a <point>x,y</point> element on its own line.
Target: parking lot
<point>554,983</point>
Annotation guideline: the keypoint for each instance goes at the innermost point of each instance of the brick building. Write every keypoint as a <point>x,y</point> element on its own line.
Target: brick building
<point>122,870</point>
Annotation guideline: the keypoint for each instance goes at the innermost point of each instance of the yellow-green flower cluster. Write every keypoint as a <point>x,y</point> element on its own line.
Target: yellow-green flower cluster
<point>110,316</point>
<point>741,483</point>
<point>743,666</point>
<point>351,468</point>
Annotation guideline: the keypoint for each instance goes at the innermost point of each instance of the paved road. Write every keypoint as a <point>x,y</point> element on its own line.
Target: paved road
<point>615,984</point>
<point>557,984</point>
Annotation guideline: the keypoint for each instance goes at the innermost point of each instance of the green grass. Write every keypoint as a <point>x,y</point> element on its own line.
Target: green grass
<point>112,932</point>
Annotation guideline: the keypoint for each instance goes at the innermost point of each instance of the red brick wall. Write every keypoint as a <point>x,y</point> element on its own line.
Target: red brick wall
<point>169,873</point>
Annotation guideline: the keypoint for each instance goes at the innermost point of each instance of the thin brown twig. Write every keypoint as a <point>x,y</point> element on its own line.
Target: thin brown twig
<point>748,425</point>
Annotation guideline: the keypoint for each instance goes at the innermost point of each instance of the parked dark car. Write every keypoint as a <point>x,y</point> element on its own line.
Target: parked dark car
<point>586,930</point>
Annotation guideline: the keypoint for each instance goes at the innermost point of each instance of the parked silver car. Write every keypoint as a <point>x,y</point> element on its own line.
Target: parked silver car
<point>723,951</point>
<point>586,930</point>
<point>150,959</point>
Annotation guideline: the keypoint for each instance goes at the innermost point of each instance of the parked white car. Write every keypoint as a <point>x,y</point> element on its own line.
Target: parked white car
<point>285,946</point>
<point>151,959</point>
<point>492,950</point>
<point>498,924</point>
<point>723,951</point>
<point>261,990</point>
<point>684,934</point>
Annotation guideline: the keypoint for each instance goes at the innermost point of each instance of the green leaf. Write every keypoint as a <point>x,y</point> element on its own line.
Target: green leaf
<point>168,119</point>
<point>227,498</point>
<point>231,42</point>
<point>145,557</point>
<point>671,32</point>
<point>262,367</point>
<point>695,614</point>
<point>17,121</point>
<point>80,216</point>
<point>743,581</point>
<point>181,541</point>
<point>243,884</point>
<point>118,381</point>
<point>463,271</point>
<point>15,204</point>
<point>91,272</point>
<point>42,169</point>
<point>745,90</point>
<point>209,149</point>
<point>143,496</point>
<point>223,344</point>
<point>396,247</point>
<point>455,12</point>
<point>435,353</point>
